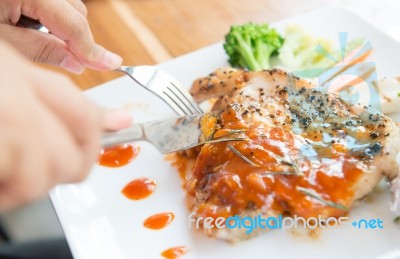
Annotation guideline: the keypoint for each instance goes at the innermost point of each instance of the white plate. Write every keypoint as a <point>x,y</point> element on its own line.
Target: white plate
<point>99,222</point>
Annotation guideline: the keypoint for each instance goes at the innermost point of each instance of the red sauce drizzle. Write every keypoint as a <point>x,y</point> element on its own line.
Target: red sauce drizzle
<point>139,189</point>
<point>240,185</point>
<point>159,221</point>
<point>175,252</point>
<point>118,156</point>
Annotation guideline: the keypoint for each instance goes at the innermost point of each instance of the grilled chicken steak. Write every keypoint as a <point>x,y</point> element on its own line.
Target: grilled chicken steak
<point>290,148</point>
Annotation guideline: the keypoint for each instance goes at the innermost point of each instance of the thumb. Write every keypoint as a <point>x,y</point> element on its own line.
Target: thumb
<point>41,47</point>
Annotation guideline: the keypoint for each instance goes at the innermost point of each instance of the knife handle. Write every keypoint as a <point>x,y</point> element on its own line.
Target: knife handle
<point>133,133</point>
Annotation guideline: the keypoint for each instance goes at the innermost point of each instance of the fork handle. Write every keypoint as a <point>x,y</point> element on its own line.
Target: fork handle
<point>26,22</point>
<point>133,133</point>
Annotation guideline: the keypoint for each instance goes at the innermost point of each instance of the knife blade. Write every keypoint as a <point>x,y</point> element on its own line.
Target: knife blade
<point>168,135</point>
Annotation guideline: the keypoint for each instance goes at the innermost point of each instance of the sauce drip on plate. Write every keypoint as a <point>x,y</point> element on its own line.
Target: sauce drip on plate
<point>175,252</point>
<point>159,221</point>
<point>118,156</point>
<point>139,189</point>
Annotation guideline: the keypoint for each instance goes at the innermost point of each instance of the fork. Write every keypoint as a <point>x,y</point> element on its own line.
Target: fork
<point>165,87</point>
<point>153,79</point>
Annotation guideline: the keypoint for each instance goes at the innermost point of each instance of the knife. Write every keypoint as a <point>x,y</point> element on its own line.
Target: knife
<point>171,135</point>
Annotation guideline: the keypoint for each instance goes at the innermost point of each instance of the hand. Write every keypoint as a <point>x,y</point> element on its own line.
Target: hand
<point>49,132</point>
<point>70,44</point>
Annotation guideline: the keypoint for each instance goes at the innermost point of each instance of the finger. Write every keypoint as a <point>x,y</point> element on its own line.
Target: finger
<point>14,13</point>
<point>83,118</point>
<point>73,28</point>
<point>22,156</point>
<point>57,142</point>
<point>41,47</point>
<point>65,156</point>
<point>78,5</point>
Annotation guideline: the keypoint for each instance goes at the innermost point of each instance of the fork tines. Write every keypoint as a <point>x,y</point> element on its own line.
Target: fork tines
<point>182,99</point>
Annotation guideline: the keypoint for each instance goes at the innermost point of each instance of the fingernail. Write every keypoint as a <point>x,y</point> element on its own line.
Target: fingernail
<point>72,64</point>
<point>112,59</point>
<point>117,119</point>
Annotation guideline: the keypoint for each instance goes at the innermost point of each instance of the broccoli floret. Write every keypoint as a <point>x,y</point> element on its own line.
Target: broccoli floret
<point>251,45</point>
